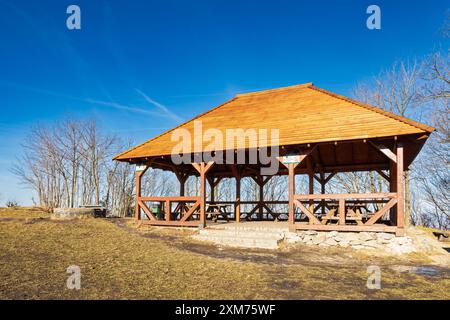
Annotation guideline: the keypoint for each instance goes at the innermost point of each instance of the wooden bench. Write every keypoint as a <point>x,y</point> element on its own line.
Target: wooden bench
<point>353,213</point>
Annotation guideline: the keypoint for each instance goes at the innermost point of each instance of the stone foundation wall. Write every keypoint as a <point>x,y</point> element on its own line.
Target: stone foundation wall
<point>355,240</point>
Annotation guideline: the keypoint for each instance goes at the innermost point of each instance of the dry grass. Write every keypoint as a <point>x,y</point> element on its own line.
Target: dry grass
<point>119,262</point>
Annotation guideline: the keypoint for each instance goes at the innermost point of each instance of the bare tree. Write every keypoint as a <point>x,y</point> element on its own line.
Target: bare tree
<point>69,164</point>
<point>435,161</point>
<point>395,90</point>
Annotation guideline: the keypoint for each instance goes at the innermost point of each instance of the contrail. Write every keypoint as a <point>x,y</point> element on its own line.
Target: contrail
<point>121,107</point>
<point>114,105</point>
<point>161,107</point>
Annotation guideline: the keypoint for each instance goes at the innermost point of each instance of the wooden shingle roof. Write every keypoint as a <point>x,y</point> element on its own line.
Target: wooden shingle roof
<point>302,114</point>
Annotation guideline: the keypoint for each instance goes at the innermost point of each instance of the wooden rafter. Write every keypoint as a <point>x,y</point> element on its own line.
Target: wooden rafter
<point>384,150</point>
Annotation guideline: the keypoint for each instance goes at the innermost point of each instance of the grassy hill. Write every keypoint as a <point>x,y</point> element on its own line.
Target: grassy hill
<point>119,261</point>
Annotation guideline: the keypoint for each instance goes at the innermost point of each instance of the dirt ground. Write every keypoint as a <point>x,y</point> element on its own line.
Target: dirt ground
<point>119,261</point>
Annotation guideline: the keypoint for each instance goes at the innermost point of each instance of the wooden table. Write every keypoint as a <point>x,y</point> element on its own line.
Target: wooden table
<point>217,210</point>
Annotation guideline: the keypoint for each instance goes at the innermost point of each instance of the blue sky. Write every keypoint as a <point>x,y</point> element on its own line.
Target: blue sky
<point>141,67</point>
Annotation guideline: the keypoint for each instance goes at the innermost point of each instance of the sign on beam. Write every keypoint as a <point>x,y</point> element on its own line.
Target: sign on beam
<point>141,167</point>
<point>295,159</point>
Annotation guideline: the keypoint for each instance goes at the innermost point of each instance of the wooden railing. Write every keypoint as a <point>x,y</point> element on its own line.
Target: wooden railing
<point>255,205</point>
<point>182,215</point>
<point>344,211</point>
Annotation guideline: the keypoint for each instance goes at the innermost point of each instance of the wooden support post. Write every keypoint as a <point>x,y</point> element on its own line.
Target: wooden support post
<point>261,197</point>
<point>237,210</point>
<point>237,175</point>
<point>322,190</point>
<point>138,195</point>
<point>311,182</point>
<point>182,179</point>
<point>211,181</point>
<point>137,209</point>
<point>202,194</point>
<point>202,168</point>
<point>400,192</point>
<point>167,210</point>
<point>291,182</point>
<point>291,178</point>
<point>182,186</point>
<point>342,211</point>
<point>393,188</point>
<point>261,182</point>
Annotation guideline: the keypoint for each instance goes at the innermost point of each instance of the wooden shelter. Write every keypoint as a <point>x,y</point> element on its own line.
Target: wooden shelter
<point>320,134</point>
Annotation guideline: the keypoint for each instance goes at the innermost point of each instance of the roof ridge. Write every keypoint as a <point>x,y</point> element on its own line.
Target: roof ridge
<point>255,93</point>
<point>176,127</point>
<point>388,114</point>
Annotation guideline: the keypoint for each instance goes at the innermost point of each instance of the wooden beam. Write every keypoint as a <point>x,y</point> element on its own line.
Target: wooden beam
<point>174,199</point>
<point>338,196</point>
<point>384,150</point>
<point>329,177</point>
<point>328,170</point>
<point>217,180</point>
<point>207,166</point>
<point>197,167</point>
<point>190,211</point>
<point>309,214</point>
<point>381,173</point>
<point>146,210</point>
<point>381,212</point>
<point>269,210</point>
<point>318,178</point>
